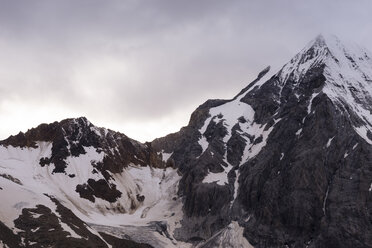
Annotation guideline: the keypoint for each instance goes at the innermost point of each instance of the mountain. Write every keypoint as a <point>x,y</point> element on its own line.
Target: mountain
<point>286,163</point>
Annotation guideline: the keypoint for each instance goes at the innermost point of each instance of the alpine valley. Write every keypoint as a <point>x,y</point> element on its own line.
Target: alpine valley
<point>286,163</point>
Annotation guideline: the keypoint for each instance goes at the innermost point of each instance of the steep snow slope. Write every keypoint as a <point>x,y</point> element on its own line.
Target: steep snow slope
<point>347,68</point>
<point>141,194</point>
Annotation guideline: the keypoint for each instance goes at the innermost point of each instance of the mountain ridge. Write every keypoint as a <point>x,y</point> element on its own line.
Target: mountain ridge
<point>285,163</point>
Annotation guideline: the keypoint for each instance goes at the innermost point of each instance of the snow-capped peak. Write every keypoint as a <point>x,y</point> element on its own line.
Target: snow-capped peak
<point>331,52</point>
<point>347,69</point>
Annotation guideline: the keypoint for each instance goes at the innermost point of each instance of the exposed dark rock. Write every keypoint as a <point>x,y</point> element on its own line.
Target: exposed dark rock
<point>8,237</point>
<point>42,228</point>
<point>70,136</point>
<point>101,189</point>
<point>9,177</point>
<point>302,188</point>
<point>122,243</point>
<point>235,146</point>
<point>140,198</point>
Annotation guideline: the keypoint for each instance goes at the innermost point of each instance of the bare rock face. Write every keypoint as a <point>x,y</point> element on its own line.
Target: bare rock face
<point>295,167</point>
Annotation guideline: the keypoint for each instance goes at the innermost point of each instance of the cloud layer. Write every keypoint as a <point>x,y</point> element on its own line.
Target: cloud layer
<point>141,67</point>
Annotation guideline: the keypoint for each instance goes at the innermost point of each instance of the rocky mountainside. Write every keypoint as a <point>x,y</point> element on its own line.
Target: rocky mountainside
<point>285,163</point>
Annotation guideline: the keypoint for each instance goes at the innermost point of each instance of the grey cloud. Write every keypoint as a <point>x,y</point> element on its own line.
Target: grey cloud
<point>140,61</point>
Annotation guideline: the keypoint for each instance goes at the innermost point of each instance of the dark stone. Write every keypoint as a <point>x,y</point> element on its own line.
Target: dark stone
<point>122,243</point>
<point>101,189</point>
<point>140,198</point>
<point>8,237</point>
<point>10,178</point>
<point>46,230</point>
<point>70,136</point>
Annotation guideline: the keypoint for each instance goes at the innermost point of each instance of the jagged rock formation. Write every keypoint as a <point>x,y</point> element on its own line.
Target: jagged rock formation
<point>289,157</point>
<point>285,163</point>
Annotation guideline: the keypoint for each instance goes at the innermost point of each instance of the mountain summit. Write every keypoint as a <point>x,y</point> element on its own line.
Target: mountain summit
<point>347,69</point>
<point>285,163</point>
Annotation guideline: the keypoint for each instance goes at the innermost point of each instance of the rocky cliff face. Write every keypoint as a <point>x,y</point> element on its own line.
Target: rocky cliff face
<point>289,158</point>
<point>285,163</point>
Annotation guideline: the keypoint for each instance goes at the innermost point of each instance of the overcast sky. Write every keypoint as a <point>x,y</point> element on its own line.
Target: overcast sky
<point>142,66</point>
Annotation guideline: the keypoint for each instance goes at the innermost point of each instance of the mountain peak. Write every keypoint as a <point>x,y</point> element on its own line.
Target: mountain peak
<point>347,71</point>
<point>320,41</point>
<point>339,59</point>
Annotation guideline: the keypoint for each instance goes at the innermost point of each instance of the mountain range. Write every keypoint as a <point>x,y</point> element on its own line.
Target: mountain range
<point>286,163</point>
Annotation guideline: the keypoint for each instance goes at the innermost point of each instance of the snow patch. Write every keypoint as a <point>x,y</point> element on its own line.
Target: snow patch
<point>219,178</point>
<point>230,112</point>
<point>232,236</point>
<point>252,149</point>
<point>311,102</point>
<point>325,201</point>
<point>236,187</point>
<point>362,131</point>
<point>330,141</point>
<point>299,131</point>
<point>166,156</point>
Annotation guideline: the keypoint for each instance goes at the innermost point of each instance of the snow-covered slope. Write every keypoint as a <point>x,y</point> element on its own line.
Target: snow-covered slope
<point>135,196</point>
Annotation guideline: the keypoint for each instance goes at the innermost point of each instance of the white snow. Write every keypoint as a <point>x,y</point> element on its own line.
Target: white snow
<point>159,187</point>
<point>299,131</point>
<point>236,187</point>
<point>203,143</point>
<point>231,236</point>
<point>166,156</point>
<point>355,146</point>
<point>348,72</point>
<point>21,163</point>
<point>231,112</point>
<point>68,229</point>
<point>299,65</point>
<point>330,141</point>
<point>350,82</point>
<point>251,150</point>
<point>2,245</point>
<point>311,102</point>
<point>35,230</point>
<point>370,188</point>
<point>281,156</point>
<point>362,131</point>
<point>325,201</point>
<point>219,178</point>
